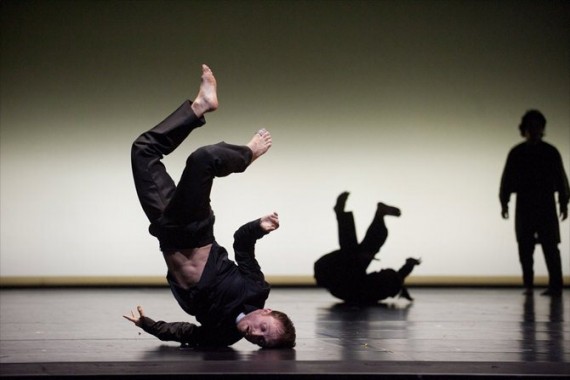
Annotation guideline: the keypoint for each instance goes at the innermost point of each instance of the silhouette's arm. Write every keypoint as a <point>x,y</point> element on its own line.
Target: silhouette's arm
<point>507,186</point>
<point>562,187</point>
<point>563,213</point>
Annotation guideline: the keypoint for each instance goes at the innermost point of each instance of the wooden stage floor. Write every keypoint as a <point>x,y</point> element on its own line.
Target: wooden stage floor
<point>444,333</point>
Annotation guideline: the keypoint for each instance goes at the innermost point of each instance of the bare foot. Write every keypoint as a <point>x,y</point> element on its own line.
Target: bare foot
<point>384,209</point>
<point>260,143</point>
<point>269,222</point>
<point>207,98</point>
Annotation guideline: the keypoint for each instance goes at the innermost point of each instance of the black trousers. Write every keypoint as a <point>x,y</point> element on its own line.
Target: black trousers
<point>361,253</point>
<point>181,215</point>
<point>539,225</point>
<point>343,272</point>
<point>551,257</point>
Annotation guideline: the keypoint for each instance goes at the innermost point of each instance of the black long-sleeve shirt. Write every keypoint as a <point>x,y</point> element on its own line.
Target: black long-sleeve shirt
<point>535,172</point>
<point>225,290</point>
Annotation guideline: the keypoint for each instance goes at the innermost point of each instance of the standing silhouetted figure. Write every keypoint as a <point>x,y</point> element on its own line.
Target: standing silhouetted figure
<point>534,171</point>
<point>343,272</point>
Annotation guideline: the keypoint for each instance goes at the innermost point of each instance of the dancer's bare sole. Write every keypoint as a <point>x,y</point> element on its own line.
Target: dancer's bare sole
<point>384,209</point>
<point>207,98</point>
<point>269,222</point>
<point>260,143</point>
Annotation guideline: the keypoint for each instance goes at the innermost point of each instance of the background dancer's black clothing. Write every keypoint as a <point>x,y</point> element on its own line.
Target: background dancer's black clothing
<point>181,218</point>
<point>534,171</point>
<point>343,272</point>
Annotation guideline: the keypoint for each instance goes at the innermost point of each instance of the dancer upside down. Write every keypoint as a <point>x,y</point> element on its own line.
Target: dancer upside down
<point>226,298</point>
<point>343,272</point>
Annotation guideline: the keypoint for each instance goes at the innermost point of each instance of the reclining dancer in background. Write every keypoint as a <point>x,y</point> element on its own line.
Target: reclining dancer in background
<point>343,272</point>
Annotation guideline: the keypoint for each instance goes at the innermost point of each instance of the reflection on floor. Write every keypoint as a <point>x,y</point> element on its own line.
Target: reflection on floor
<point>453,332</point>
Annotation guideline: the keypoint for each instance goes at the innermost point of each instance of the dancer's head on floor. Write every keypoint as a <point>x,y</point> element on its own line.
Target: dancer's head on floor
<point>268,329</point>
<point>265,327</point>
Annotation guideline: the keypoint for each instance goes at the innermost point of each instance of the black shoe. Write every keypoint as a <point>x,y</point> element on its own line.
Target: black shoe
<point>384,209</point>
<point>341,202</point>
<point>552,293</point>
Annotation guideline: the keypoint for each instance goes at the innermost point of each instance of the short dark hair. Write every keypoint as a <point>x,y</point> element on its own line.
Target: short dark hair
<point>287,339</point>
<point>532,118</point>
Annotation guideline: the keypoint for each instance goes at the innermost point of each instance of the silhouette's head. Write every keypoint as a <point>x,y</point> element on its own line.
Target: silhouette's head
<point>268,328</point>
<point>532,125</point>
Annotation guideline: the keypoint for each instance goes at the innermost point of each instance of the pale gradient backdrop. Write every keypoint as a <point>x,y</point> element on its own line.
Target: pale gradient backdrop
<point>414,103</point>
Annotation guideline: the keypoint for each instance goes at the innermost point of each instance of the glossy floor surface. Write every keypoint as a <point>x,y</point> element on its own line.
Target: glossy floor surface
<point>444,332</point>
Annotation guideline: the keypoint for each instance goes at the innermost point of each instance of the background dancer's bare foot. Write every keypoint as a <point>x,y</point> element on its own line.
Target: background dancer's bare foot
<point>260,143</point>
<point>207,98</point>
<point>384,209</point>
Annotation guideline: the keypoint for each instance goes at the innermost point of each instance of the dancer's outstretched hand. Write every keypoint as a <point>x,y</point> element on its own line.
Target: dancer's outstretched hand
<point>269,222</point>
<point>411,260</point>
<point>133,318</point>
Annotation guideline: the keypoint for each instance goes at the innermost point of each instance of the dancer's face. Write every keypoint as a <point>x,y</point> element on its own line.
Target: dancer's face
<point>261,328</point>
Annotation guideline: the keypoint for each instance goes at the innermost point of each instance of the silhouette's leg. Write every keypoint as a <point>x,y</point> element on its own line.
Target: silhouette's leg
<point>376,234</point>
<point>526,252</point>
<point>346,232</point>
<point>346,228</point>
<point>375,237</point>
<point>554,266</point>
